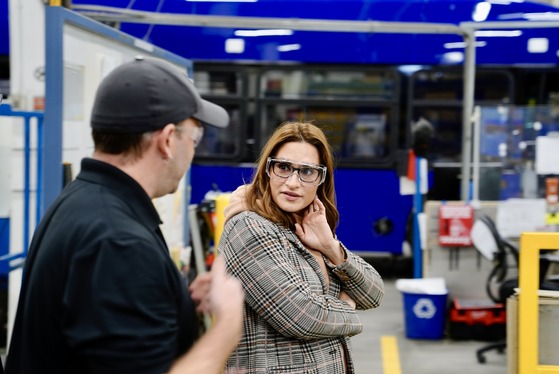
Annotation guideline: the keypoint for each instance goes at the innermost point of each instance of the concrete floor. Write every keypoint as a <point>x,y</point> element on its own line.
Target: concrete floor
<point>416,356</point>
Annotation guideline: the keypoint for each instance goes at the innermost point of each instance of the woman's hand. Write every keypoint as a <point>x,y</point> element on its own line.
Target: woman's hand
<point>315,233</point>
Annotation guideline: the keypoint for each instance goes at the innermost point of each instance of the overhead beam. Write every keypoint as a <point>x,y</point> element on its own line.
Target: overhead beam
<point>113,14</point>
<point>500,25</point>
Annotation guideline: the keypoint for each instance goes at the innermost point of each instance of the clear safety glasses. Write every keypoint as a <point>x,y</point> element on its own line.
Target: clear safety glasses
<point>312,174</point>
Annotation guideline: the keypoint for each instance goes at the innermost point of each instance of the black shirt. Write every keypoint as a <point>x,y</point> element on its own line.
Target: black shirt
<point>100,293</point>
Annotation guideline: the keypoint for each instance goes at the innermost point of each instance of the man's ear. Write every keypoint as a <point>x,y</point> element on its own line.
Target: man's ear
<point>164,141</point>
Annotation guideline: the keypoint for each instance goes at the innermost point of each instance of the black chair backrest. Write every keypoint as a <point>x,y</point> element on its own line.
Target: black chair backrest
<point>500,268</point>
<point>504,246</point>
<point>498,273</point>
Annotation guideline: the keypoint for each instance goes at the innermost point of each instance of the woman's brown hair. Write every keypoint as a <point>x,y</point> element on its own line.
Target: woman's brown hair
<point>258,194</point>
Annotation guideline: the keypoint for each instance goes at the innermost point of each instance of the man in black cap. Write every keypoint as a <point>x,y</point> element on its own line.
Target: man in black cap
<point>100,293</point>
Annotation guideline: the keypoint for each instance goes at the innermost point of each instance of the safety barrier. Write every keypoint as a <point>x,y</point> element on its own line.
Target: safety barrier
<point>528,314</point>
<point>6,110</point>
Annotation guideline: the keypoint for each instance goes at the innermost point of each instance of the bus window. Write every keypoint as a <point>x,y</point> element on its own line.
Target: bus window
<point>356,109</point>
<point>225,86</point>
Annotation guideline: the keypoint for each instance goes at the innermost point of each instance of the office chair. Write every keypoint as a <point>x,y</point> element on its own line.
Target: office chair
<point>491,245</point>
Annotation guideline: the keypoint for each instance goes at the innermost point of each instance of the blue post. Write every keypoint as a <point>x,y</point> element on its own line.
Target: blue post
<point>26,181</point>
<point>40,166</point>
<point>417,208</point>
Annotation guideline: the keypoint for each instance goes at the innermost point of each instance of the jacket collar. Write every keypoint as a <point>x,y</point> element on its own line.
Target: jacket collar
<point>102,173</point>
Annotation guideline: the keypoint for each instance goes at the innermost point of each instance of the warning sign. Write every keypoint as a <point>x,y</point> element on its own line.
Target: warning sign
<point>455,224</point>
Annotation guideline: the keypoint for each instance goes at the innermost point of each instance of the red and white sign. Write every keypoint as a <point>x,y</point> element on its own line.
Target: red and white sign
<point>455,224</point>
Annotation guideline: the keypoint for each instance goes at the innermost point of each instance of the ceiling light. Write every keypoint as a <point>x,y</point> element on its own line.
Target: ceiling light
<point>547,16</point>
<point>224,1</point>
<point>289,47</point>
<point>453,57</point>
<point>481,11</point>
<point>504,2</point>
<point>498,33</point>
<point>234,45</point>
<point>270,32</point>
<point>463,45</point>
<point>409,69</point>
<point>538,45</point>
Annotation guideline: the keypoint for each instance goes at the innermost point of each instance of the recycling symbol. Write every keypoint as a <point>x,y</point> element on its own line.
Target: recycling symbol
<point>424,308</point>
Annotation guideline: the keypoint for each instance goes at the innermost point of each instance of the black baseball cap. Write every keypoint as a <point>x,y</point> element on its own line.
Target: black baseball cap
<point>145,95</point>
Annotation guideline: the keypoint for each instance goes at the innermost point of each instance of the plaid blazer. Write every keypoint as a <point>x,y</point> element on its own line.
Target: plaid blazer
<point>293,323</point>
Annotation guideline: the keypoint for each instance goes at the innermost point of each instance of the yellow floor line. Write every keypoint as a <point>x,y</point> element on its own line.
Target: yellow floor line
<point>390,356</point>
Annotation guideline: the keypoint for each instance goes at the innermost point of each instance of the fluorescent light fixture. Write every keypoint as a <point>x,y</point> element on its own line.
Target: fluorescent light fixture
<point>223,1</point>
<point>270,32</point>
<point>481,11</point>
<point>504,2</point>
<point>461,45</point>
<point>453,57</point>
<point>409,69</point>
<point>498,33</point>
<point>547,16</point>
<point>234,45</point>
<point>538,45</point>
<point>511,16</point>
<point>289,47</point>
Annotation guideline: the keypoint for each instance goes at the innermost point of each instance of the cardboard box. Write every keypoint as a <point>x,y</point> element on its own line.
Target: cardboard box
<point>548,332</point>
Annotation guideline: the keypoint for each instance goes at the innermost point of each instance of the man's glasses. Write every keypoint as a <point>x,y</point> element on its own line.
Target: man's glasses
<point>307,173</point>
<point>196,134</point>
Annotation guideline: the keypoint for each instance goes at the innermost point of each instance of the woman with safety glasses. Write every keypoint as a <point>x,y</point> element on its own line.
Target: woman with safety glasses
<point>302,285</point>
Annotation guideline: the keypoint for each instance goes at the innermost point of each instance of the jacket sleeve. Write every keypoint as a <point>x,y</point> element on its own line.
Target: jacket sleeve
<point>359,279</point>
<point>277,289</point>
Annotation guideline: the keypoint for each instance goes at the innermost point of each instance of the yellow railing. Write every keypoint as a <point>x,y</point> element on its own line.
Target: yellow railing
<point>528,309</point>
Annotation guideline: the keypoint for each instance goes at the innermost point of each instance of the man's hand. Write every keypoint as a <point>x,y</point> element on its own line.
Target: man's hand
<point>223,297</point>
<point>199,291</point>
<point>216,292</point>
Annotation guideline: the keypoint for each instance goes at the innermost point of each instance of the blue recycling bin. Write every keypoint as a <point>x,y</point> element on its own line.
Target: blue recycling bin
<point>425,315</point>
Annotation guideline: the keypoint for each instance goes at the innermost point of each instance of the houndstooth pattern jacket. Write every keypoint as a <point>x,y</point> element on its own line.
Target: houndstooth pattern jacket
<point>293,322</point>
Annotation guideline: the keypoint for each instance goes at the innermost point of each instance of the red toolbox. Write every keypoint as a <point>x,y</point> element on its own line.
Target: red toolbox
<point>477,320</point>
